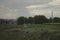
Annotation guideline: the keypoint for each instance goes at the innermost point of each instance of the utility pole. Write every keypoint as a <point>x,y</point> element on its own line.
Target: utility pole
<point>52,16</point>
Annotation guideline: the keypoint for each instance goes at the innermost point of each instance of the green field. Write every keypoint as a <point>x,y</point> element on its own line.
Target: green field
<point>31,32</point>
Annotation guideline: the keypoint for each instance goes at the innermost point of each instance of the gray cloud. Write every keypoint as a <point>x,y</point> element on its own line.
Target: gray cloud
<point>16,8</point>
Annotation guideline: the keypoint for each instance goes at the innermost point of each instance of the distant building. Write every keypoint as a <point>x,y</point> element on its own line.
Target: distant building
<point>7,21</point>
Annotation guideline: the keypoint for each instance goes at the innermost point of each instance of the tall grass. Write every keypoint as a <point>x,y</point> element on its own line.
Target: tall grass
<point>32,32</point>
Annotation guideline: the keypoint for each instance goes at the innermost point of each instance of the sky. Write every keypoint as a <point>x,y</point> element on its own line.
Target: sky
<point>12,9</point>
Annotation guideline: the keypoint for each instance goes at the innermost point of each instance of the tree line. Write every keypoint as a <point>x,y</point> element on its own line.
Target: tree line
<point>38,19</point>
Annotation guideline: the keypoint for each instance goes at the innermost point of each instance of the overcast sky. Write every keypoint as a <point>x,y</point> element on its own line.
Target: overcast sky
<point>15,8</point>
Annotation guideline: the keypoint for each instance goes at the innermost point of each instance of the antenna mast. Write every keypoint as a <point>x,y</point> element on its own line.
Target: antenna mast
<point>52,16</point>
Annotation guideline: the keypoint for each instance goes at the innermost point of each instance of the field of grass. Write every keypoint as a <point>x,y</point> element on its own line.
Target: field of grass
<point>31,32</point>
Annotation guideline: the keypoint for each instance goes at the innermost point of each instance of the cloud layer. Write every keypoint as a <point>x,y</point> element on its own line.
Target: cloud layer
<point>15,8</point>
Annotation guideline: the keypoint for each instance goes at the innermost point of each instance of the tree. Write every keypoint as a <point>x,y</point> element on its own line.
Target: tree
<point>31,20</point>
<point>56,20</point>
<point>21,20</point>
<point>39,19</point>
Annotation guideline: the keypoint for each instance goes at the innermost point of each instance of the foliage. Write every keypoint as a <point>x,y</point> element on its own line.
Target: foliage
<point>21,20</point>
<point>38,19</point>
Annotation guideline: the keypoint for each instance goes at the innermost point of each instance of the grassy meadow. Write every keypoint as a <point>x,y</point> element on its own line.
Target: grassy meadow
<point>30,32</point>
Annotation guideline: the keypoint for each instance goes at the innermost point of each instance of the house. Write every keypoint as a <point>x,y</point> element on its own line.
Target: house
<point>7,21</point>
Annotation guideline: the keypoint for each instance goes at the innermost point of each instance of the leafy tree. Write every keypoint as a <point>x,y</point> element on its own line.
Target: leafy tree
<point>31,20</point>
<point>39,19</point>
<point>21,20</point>
<point>56,20</point>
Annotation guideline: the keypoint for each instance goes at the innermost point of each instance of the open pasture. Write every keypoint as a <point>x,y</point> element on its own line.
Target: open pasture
<point>31,32</point>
